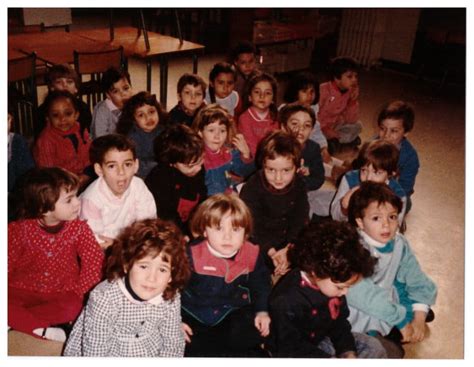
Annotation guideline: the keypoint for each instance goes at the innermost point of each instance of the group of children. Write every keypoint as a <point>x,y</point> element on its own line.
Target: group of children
<point>192,236</point>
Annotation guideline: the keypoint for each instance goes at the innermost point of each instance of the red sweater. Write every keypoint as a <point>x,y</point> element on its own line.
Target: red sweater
<point>54,149</point>
<point>38,261</point>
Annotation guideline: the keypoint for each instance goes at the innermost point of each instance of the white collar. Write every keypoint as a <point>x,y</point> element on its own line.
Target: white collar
<point>370,241</point>
<point>218,254</point>
<point>154,301</point>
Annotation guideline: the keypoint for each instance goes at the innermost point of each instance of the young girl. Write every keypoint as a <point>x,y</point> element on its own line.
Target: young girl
<point>136,311</point>
<point>142,121</point>
<point>53,257</point>
<point>224,306</point>
<point>277,198</point>
<point>61,144</point>
<point>397,298</point>
<point>260,113</point>
<point>177,182</point>
<point>221,161</point>
<point>221,88</point>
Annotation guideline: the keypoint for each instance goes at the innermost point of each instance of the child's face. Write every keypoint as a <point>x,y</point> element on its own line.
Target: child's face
<point>223,84</point>
<point>225,238</point>
<point>306,96</point>
<point>369,173</point>
<point>146,117</point>
<point>333,289</point>
<point>66,208</point>
<point>392,130</point>
<point>279,172</point>
<point>347,81</point>
<point>261,96</point>
<point>117,169</point>
<point>214,135</point>
<point>189,169</point>
<point>380,221</point>
<point>120,93</point>
<point>149,276</point>
<point>245,62</point>
<point>64,84</point>
<point>61,114</point>
<point>191,97</point>
<point>301,125</point>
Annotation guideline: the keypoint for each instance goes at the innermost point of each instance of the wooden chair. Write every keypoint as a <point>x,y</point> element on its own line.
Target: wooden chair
<point>22,94</point>
<point>93,65</point>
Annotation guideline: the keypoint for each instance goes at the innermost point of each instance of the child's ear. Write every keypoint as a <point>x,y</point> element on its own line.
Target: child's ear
<point>98,169</point>
<point>200,133</point>
<point>360,223</point>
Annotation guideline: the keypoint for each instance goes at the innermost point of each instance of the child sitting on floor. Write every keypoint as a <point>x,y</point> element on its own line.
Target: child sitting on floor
<point>142,120</point>
<point>191,93</point>
<point>397,298</point>
<point>136,311</point>
<point>53,257</point>
<point>244,59</point>
<point>276,196</point>
<point>177,182</point>
<point>395,121</point>
<point>224,305</point>
<point>308,306</point>
<point>117,198</point>
<point>378,163</point>
<point>117,87</point>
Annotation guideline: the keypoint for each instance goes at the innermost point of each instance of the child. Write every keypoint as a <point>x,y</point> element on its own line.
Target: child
<point>339,106</point>
<point>191,93</point>
<point>221,88</point>
<point>398,295</point>
<point>61,143</point>
<point>244,58</point>
<point>64,77</point>
<point>224,305</point>
<point>395,121</point>
<point>308,306</point>
<point>142,121</point>
<point>177,182</point>
<point>117,198</point>
<point>118,89</point>
<point>53,257</point>
<point>378,163</point>
<point>136,311</point>
<point>260,113</point>
<point>277,198</point>
<point>20,160</point>
<point>304,88</point>
<point>221,161</point>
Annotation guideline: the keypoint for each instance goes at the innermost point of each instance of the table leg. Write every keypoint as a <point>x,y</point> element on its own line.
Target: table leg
<point>148,75</point>
<point>163,80</point>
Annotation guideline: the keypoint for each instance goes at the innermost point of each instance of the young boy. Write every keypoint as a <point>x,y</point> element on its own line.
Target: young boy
<point>395,121</point>
<point>244,59</point>
<point>398,296</point>
<point>277,198</point>
<point>308,306</point>
<point>191,93</point>
<point>339,106</point>
<point>117,87</point>
<point>63,77</point>
<point>117,198</point>
<point>378,161</point>
<point>178,181</point>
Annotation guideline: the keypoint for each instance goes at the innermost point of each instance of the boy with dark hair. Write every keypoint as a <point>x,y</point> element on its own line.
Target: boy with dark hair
<point>244,59</point>
<point>116,85</point>
<point>117,198</point>
<point>191,93</point>
<point>308,306</point>
<point>339,106</point>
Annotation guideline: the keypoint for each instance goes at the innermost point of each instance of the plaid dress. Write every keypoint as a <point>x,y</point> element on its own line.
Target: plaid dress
<point>114,324</point>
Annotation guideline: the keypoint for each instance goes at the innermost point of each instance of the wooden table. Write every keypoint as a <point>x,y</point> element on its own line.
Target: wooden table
<point>161,48</point>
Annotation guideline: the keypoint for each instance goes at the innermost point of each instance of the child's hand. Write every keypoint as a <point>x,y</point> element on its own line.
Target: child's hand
<point>304,171</point>
<point>419,326</point>
<point>262,323</point>
<point>280,260</point>
<point>407,333</point>
<point>241,145</point>
<point>325,155</point>
<point>349,354</point>
<point>106,242</point>
<point>188,332</point>
<point>346,198</point>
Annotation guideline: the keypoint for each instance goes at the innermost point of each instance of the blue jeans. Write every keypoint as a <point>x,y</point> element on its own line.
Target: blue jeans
<point>366,346</point>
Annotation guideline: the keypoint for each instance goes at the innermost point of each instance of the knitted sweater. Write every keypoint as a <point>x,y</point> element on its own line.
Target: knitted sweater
<point>144,148</point>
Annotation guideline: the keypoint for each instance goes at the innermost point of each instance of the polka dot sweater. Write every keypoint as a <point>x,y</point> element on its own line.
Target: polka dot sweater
<point>70,260</point>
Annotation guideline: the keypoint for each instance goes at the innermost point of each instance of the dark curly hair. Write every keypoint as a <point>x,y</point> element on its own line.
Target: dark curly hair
<point>340,65</point>
<point>290,109</point>
<point>331,249</point>
<point>219,68</point>
<point>101,145</point>
<point>381,154</point>
<point>178,144</point>
<point>301,81</point>
<point>398,110</point>
<point>150,237</point>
